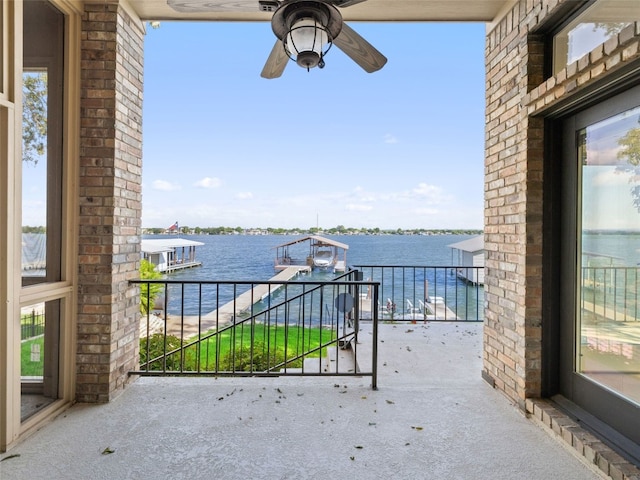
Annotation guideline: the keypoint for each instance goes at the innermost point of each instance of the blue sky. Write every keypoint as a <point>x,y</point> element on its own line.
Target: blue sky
<point>399,148</point>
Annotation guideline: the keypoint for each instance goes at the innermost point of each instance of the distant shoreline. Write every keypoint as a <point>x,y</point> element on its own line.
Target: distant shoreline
<point>312,231</point>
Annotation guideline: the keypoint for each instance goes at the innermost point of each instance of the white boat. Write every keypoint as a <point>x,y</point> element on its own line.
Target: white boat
<point>323,254</point>
<point>323,257</point>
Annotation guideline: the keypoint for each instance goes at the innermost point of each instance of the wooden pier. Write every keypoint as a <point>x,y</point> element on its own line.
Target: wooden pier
<point>187,326</point>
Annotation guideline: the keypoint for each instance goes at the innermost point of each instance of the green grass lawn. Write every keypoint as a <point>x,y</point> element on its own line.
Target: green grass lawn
<point>28,367</point>
<point>237,349</point>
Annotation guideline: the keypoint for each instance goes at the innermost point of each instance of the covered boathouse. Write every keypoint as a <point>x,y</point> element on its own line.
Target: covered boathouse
<point>170,254</point>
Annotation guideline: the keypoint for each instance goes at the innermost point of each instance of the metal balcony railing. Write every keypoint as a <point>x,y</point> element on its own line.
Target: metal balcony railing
<point>294,328</point>
<point>610,293</point>
<point>270,328</point>
<point>448,293</point>
<point>31,324</point>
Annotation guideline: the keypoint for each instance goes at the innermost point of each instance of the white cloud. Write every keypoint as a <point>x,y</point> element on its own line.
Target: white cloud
<point>426,190</point>
<point>426,211</point>
<point>432,194</point>
<point>244,195</point>
<point>388,138</point>
<point>165,186</point>
<point>353,207</point>
<point>208,182</point>
<point>610,177</point>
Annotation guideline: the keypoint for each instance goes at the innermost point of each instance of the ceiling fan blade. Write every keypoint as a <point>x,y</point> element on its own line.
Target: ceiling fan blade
<point>194,6</point>
<point>346,3</point>
<point>276,62</point>
<point>359,50</point>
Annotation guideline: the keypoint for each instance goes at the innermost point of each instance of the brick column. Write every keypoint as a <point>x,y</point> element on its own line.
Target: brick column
<point>110,200</point>
<point>513,206</point>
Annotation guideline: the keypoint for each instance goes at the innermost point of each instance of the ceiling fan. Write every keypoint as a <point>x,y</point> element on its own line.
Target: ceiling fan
<point>305,31</point>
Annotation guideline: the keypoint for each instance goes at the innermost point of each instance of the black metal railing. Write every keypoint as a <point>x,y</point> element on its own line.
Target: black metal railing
<point>31,324</point>
<point>268,328</point>
<point>610,293</point>
<point>448,293</point>
<point>295,328</point>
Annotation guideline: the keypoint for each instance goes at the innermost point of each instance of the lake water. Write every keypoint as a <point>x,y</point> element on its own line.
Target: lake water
<point>617,249</point>
<point>251,257</point>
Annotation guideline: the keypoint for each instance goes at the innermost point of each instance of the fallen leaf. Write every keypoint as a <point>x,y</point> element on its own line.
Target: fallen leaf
<point>352,458</point>
<point>15,455</point>
<point>359,447</point>
<point>390,402</point>
<point>107,451</point>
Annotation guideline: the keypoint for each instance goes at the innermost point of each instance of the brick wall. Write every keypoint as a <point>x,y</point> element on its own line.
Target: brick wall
<point>513,207</point>
<point>517,95</point>
<point>110,200</point>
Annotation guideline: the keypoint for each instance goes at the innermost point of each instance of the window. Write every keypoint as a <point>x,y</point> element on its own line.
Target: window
<point>42,144</point>
<point>594,26</point>
<point>42,206</point>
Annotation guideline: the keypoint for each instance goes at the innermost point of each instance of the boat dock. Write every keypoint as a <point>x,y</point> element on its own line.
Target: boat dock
<point>321,252</point>
<point>227,312</point>
<point>170,254</point>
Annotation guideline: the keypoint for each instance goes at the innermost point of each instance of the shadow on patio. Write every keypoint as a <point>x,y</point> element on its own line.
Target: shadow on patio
<point>433,417</point>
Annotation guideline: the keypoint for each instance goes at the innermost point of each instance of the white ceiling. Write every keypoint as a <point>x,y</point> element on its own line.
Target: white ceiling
<point>370,10</point>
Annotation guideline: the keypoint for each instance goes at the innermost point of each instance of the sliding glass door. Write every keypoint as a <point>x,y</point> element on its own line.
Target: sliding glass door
<point>599,298</point>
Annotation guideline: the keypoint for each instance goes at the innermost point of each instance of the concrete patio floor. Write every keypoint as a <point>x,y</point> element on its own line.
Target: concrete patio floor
<point>433,417</point>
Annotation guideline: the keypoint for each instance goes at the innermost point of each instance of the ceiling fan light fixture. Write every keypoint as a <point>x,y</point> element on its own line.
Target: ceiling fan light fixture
<point>307,42</point>
<point>307,29</point>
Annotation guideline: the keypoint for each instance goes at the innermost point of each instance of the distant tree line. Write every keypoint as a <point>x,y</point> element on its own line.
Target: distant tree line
<point>338,230</point>
<point>28,229</point>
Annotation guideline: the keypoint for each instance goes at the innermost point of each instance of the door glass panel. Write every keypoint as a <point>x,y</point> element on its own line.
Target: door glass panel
<point>38,356</point>
<point>42,144</point>
<point>609,330</point>
<point>34,176</point>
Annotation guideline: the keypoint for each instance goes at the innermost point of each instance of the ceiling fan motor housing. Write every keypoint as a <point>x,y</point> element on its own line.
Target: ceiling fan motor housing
<point>268,5</point>
<point>324,19</point>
